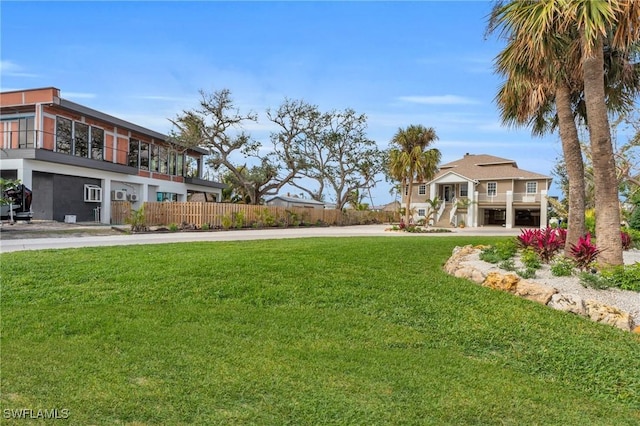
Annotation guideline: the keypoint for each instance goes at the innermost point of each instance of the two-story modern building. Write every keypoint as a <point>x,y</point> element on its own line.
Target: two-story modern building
<point>77,160</point>
<point>482,190</point>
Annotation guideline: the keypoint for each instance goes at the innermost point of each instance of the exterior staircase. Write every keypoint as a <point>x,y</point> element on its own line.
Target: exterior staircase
<point>444,219</point>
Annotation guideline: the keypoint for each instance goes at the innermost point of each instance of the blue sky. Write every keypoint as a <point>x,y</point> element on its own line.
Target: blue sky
<point>400,63</point>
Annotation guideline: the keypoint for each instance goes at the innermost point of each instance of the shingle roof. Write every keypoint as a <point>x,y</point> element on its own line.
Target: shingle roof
<point>296,200</point>
<point>483,167</point>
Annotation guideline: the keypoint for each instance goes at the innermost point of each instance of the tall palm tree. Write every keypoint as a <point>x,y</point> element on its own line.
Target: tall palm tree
<point>589,22</point>
<point>540,91</point>
<point>411,160</point>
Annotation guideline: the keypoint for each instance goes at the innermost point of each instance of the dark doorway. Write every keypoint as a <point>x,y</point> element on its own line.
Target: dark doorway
<point>495,217</point>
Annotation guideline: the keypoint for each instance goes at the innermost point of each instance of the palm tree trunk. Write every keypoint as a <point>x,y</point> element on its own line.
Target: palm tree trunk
<point>575,166</point>
<point>408,206</point>
<point>604,168</point>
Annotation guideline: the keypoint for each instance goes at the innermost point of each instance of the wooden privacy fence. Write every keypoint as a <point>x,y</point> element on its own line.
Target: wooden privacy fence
<point>228,215</point>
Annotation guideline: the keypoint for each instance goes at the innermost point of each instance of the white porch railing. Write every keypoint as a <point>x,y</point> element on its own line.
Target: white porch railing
<point>440,211</point>
<point>453,219</point>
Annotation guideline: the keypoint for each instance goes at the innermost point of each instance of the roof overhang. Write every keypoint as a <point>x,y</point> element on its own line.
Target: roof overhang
<point>452,177</point>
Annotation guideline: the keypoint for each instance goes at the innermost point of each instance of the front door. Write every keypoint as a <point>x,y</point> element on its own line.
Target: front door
<point>447,193</point>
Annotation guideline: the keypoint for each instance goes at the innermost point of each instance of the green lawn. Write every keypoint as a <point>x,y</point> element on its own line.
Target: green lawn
<point>303,331</point>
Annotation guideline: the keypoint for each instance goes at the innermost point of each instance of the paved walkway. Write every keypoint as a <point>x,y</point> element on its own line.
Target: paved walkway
<point>59,242</point>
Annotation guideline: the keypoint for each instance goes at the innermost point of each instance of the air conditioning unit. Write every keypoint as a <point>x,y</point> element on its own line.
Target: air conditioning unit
<point>132,197</point>
<point>119,195</point>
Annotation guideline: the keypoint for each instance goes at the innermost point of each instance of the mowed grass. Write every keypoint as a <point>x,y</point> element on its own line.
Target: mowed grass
<point>303,331</point>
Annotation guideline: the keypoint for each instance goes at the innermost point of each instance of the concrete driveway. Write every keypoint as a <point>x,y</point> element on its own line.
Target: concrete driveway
<point>61,242</point>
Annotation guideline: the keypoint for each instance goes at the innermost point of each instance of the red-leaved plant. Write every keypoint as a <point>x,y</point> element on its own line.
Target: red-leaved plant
<point>545,242</point>
<point>584,253</point>
<point>626,240</point>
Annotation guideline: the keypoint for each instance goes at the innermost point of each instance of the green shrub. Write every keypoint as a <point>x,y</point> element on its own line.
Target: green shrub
<point>138,220</point>
<point>562,267</point>
<point>623,277</point>
<point>173,227</point>
<point>597,281</point>
<point>205,227</point>
<point>527,273</point>
<point>634,220</point>
<point>506,249</point>
<point>226,222</point>
<point>530,258</point>
<point>507,265</point>
<point>238,220</point>
<point>489,255</point>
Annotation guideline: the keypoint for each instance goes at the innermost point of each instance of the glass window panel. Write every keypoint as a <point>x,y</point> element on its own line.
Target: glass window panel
<point>492,188</point>
<point>144,156</point>
<point>154,158</point>
<point>464,189</point>
<point>134,151</point>
<point>172,163</point>
<point>63,135</point>
<point>180,165</point>
<point>81,140</point>
<point>97,143</point>
<point>532,187</point>
<point>163,159</point>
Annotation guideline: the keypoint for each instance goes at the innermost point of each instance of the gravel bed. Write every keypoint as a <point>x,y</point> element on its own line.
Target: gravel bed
<point>627,301</point>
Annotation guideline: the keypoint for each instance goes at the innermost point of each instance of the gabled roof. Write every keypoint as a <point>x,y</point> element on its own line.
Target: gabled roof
<point>296,200</point>
<point>484,167</point>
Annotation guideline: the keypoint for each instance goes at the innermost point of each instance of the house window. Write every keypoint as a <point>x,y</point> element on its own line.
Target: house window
<point>26,134</point>
<point>172,162</point>
<point>81,140</point>
<point>492,189</point>
<point>193,167</point>
<point>97,143</point>
<point>154,158</point>
<point>144,156</point>
<point>63,135</point>
<point>422,212</point>
<point>422,190</point>
<point>134,152</point>
<point>162,158</point>
<point>532,187</point>
<point>464,189</point>
<point>180,165</point>
<point>92,194</point>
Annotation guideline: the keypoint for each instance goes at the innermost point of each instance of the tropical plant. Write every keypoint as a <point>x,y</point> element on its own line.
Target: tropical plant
<point>584,253</point>
<point>137,220</point>
<point>432,210</point>
<point>627,242</point>
<point>411,160</point>
<point>614,24</point>
<point>545,242</point>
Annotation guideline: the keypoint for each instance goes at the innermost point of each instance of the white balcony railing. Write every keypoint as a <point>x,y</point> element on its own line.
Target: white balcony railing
<point>497,198</point>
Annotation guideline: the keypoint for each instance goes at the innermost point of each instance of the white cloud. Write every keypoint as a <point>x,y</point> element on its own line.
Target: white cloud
<point>11,69</point>
<point>77,95</point>
<point>439,100</point>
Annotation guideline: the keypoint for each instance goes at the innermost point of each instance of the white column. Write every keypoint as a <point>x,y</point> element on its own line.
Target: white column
<point>105,206</point>
<point>471,208</point>
<point>544,208</point>
<point>475,209</point>
<point>509,218</point>
<point>144,193</point>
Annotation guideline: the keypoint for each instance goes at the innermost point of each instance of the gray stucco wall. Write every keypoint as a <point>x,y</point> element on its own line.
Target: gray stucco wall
<point>55,196</point>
